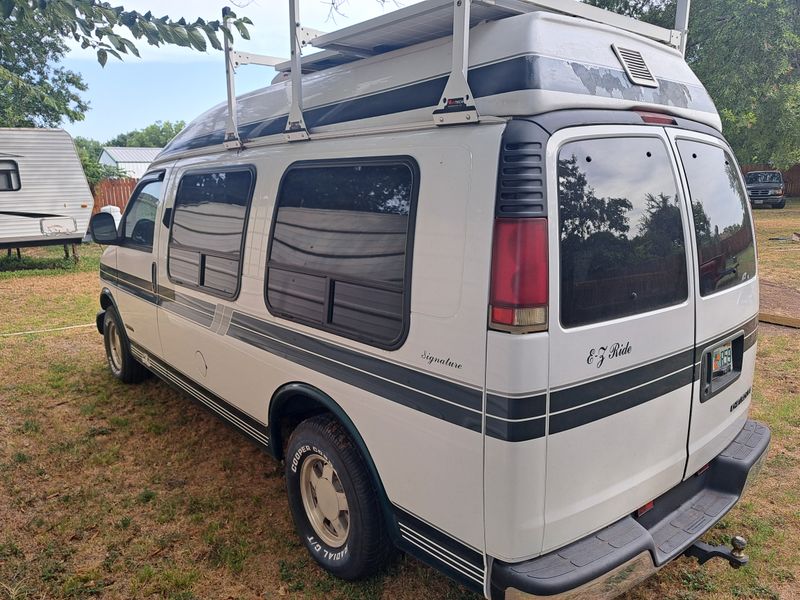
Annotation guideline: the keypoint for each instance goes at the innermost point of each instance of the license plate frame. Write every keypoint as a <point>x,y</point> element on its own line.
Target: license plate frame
<point>721,360</point>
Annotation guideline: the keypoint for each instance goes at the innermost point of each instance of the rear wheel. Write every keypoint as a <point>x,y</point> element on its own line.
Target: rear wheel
<point>334,504</point>
<point>118,354</point>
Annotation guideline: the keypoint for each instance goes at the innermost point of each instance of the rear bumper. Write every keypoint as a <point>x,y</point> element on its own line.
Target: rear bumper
<point>606,563</point>
<point>766,200</point>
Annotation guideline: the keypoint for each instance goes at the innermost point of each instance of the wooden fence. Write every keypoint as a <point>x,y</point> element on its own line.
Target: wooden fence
<point>113,192</point>
<point>791,177</point>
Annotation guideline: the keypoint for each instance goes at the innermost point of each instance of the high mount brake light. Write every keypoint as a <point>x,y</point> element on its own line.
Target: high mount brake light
<point>519,287</point>
<point>652,118</point>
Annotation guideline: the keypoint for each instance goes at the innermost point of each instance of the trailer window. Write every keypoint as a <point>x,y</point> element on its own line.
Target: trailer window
<point>725,249</point>
<point>622,249</point>
<point>207,235</point>
<point>339,258</point>
<point>9,176</point>
<point>138,224</point>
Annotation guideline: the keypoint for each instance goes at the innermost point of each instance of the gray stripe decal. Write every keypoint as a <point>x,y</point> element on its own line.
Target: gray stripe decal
<point>347,366</point>
<point>247,424</point>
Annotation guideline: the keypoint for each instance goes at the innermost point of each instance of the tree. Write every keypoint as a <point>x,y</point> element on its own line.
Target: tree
<point>747,54</point>
<point>94,24</point>
<point>34,91</point>
<point>156,135</point>
<point>89,153</point>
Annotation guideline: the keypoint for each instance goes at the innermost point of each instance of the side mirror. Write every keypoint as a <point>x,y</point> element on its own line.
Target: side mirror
<point>103,229</point>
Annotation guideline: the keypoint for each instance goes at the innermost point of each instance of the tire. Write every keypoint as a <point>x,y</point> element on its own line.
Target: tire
<point>118,350</point>
<point>780,204</point>
<point>354,544</point>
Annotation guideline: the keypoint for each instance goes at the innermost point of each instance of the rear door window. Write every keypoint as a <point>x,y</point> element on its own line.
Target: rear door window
<point>725,249</point>
<point>622,248</point>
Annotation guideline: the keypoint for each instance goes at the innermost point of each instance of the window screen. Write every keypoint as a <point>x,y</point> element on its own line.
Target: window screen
<point>725,248</point>
<point>340,244</point>
<point>138,225</point>
<point>9,176</point>
<point>621,232</point>
<point>208,224</point>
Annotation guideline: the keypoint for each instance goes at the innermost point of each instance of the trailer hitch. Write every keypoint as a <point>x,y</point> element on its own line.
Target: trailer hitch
<point>705,552</point>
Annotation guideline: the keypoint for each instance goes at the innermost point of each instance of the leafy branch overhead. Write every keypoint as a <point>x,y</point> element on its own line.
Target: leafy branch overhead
<point>97,25</point>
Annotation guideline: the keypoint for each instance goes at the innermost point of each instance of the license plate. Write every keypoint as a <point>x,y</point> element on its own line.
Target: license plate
<point>758,202</point>
<point>722,360</point>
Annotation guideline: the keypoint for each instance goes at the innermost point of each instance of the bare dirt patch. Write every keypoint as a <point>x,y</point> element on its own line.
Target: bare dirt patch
<point>779,299</point>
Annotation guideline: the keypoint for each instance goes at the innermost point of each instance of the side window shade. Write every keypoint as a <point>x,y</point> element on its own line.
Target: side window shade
<point>207,230</point>
<point>340,249</point>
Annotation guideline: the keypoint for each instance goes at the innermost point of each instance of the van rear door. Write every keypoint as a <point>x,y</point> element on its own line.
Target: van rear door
<point>621,327</point>
<point>726,291</point>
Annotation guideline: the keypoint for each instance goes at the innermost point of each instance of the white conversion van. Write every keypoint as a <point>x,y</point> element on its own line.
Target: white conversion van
<point>499,313</point>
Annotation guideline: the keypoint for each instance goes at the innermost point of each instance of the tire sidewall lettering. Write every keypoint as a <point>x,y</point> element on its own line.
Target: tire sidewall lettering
<point>299,455</point>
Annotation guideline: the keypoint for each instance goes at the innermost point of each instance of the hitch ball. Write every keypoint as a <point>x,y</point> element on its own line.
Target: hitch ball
<point>739,544</point>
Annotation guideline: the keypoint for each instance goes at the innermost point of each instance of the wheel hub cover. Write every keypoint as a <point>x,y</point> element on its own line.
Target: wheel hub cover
<point>327,499</point>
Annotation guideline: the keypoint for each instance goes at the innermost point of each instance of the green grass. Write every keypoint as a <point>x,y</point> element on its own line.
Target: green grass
<point>49,260</point>
<point>108,490</point>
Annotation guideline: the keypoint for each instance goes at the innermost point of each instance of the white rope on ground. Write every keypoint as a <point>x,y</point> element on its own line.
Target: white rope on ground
<point>46,330</point>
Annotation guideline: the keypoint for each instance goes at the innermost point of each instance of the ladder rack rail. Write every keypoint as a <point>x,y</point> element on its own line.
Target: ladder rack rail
<point>436,18</point>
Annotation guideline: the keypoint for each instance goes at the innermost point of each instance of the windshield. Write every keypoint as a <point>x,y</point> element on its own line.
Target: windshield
<point>764,177</point>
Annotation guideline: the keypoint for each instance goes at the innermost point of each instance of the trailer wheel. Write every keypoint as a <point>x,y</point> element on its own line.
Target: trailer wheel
<point>118,353</point>
<point>333,501</point>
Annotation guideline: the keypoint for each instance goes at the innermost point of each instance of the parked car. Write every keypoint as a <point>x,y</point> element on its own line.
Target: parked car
<point>520,348</point>
<point>766,188</point>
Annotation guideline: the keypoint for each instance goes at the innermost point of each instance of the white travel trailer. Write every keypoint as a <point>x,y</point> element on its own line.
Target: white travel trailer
<point>492,297</point>
<point>44,197</point>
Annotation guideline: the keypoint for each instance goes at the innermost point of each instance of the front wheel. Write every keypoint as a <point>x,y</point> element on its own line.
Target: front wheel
<point>334,504</point>
<point>118,353</point>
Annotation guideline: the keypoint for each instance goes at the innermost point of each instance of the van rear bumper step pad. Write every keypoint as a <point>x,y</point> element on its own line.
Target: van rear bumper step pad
<point>678,518</point>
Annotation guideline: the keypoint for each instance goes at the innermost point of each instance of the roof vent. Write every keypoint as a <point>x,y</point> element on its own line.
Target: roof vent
<point>635,67</point>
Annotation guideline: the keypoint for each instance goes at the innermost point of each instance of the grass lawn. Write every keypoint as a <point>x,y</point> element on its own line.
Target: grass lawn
<point>120,491</point>
<point>779,260</point>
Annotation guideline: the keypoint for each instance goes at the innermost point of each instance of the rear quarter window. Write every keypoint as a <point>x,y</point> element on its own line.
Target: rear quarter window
<point>339,257</point>
<point>622,247</point>
<point>725,248</point>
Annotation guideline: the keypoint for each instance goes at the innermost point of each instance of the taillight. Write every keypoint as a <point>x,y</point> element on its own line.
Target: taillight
<point>519,293</point>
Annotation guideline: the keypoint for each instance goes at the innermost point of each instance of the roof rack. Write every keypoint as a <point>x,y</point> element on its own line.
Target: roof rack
<point>428,20</point>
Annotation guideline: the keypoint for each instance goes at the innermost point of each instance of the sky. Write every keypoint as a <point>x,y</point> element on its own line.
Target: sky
<point>171,83</point>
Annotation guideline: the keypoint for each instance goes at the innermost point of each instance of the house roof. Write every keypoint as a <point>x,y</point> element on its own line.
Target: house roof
<point>131,155</point>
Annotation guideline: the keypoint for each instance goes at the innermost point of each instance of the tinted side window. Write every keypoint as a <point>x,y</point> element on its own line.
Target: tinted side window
<point>621,234</point>
<point>138,225</point>
<point>9,176</point>
<point>725,248</point>
<point>340,244</point>
<point>208,224</point>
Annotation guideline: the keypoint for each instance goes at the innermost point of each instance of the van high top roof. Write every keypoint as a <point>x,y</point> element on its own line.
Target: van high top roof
<point>525,57</point>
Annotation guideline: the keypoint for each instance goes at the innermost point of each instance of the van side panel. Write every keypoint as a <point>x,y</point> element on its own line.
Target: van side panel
<point>517,369</point>
<point>418,408</point>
